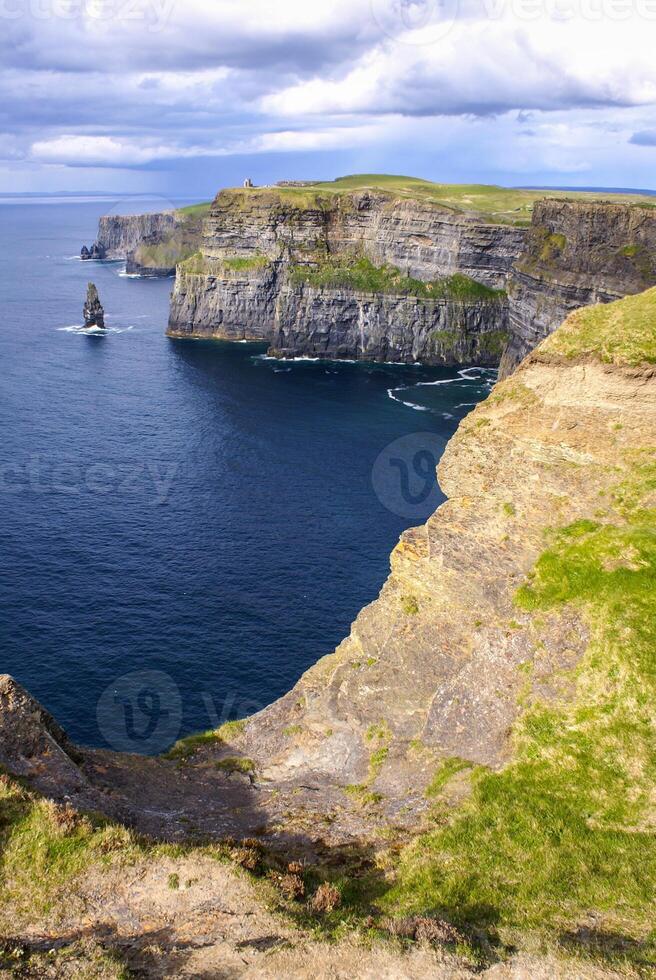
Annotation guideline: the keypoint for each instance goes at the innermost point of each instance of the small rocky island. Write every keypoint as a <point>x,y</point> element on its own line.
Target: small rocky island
<point>94,314</point>
<point>97,251</point>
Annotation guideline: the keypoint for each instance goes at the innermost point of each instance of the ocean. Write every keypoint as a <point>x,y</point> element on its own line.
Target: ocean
<point>188,522</point>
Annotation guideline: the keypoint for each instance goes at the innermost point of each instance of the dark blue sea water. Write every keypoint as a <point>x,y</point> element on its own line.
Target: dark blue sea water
<point>189,508</point>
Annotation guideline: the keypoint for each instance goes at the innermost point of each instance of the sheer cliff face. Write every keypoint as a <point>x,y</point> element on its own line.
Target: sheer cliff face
<point>296,320</point>
<point>121,234</point>
<point>264,235</point>
<point>445,661</point>
<point>329,322</point>
<point>575,255</point>
<point>424,241</point>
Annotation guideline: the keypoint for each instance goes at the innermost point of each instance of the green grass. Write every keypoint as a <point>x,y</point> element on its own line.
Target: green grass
<point>246,264</point>
<point>360,274</point>
<point>447,770</point>
<point>196,210</point>
<point>552,246</point>
<point>200,265</point>
<point>231,729</point>
<point>492,343</point>
<point>410,605</point>
<point>380,732</point>
<point>496,204</point>
<point>361,793</point>
<point>236,764</point>
<point>567,827</point>
<point>165,255</point>
<point>623,332</point>
<point>186,747</point>
<point>44,847</point>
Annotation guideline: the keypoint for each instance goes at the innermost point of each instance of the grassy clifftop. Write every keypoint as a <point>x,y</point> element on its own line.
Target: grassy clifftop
<point>493,203</point>
<point>617,333</point>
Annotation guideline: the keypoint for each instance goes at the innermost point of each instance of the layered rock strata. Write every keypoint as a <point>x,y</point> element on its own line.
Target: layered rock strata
<point>120,234</point>
<point>245,283</point>
<point>576,254</point>
<point>444,662</point>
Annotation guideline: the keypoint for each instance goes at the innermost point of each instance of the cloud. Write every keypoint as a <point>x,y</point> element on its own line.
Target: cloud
<point>498,86</point>
<point>483,67</point>
<point>182,35</point>
<point>105,151</point>
<point>108,151</point>
<point>644,138</point>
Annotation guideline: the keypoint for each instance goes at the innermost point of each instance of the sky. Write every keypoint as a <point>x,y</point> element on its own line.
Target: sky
<point>181,97</point>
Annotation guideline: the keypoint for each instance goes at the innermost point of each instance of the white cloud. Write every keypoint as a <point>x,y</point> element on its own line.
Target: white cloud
<point>107,151</point>
<point>484,65</point>
<point>386,82</point>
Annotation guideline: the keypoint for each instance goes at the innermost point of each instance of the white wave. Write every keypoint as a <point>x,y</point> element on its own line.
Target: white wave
<point>391,393</point>
<point>430,384</point>
<point>463,376</point>
<point>93,331</point>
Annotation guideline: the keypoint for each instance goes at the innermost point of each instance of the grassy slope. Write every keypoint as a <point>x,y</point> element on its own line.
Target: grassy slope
<point>43,847</point>
<point>568,827</point>
<point>497,204</point>
<point>619,333</point>
<point>196,210</point>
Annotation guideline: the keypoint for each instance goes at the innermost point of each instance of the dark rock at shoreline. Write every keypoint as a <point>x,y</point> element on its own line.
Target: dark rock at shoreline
<point>97,251</point>
<point>94,314</point>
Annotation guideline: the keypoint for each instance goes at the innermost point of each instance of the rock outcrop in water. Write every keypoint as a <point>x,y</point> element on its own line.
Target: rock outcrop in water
<point>96,252</point>
<point>245,271</point>
<point>94,314</point>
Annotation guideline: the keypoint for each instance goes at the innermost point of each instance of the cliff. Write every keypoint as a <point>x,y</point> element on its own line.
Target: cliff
<point>325,322</point>
<point>357,275</point>
<point>576,254</point>
<point>151,244</point>
<point>425,241</point>
<point>480,749</point>
<point>365,273</point>
<point>120,234</point>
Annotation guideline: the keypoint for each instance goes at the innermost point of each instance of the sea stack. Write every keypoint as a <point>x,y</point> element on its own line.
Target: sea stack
<point>97,251</point>
<point>94,315</point>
